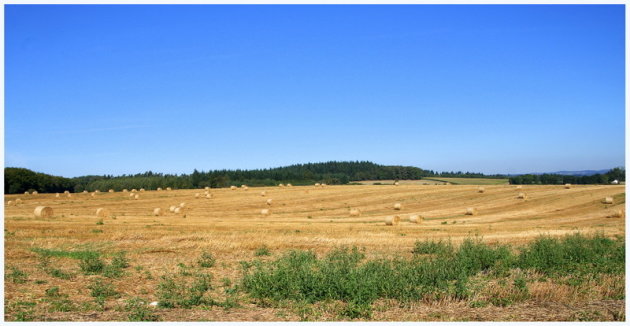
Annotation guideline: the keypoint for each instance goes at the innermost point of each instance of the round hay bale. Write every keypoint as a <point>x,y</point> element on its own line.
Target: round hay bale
<point>289,185</point>
<point>159,189</point>
<point>43,211</point>
<point>197,195</point>
<point>521,196</point>
<point>392,220</point>
<point>243,186</point>
<point>157,212</point>
<point>10,203</point>
<point>57,195</point>
<point>26,193</point>
<point>66,192</point>
<point>18,201</point>
<point>281,185</point>
<point>208,196</point>
<point>471,211</point>
<point>567,186</point>
<point>206,192</point>
<point>232,187</point>
<point>608,200</point>
<point>323,185</point>
<point>136,197</point>
<point>206,188</point>
<point>172,208</point>
<point>263,193</point>
<point>34,192</point>
<point>618,213</point>
<point>481,189</point>
<point>125,190</point>
<point>103,212</point>
<point>415,219</point>
<point>397,206</point>
<point>168,189</point>
<point>269,201</point>
<point>97,190</point>
<point>396,183</point>
<point>179,210</point>
<point>93,194</point>
<point>134,190</point>
<point>317,184</point>
<point>264,211</point>
<point>141,189</point>
<point>110,190</point>
<point>69,195</point>
<point>182,204</point>
<point>85,191</point>
<point>355,212</point>
<point>131,195</point>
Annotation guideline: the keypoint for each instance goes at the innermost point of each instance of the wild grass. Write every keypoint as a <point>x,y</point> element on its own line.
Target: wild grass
<point>437,271</point>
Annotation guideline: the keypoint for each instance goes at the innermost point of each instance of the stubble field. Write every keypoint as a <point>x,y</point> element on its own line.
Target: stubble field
<point>45,253</point>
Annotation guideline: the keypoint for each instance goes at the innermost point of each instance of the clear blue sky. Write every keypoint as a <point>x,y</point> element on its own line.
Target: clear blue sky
<point>493,89</point>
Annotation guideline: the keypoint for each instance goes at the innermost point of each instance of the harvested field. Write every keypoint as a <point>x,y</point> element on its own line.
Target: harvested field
<point>230,227</point>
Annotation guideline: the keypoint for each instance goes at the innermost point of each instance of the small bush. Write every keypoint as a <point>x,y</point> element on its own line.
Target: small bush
<point>138,311</point>
<point>440,247</point>
<point>100,291</point>
<point>262,251</point>
<point>17,276</point>
<point>178,293</point>
<point>206,260</point>
<point>91,264</point>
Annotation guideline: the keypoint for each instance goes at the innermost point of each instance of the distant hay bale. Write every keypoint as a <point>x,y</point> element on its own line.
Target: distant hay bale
<point>264,211</point>
<point>317,184</point>
<point>43,211</point>
<point>103,212</point>
<point>26,193</point>
<point>289,185</point>
<point>392,220</point>
<point>97,190</point>
<point>415,219</point>
<point>263,193</point>
<point>481,189</point>
<point>323,185</point>
<point>69,195</point>
<point>159,189</point>
<point>131,195</point>
<point>10,203</point>
<point>179,210</point>
<point>157,212</point>
<point>281,185</point>
<point>57,195</point>
<point>355,212</point>
<point>134,190</point>
<point>125,190</point>
<point>567,186</point>
<point>168,189</point>
<point>206,188</point>
<point>245,188</point>
<point>85,191</point>
<point>396,183</point>
<point>182,204</point>
<point>519,187</point>
<point>471,211</point>
<point>233,187</point>
<point>172,208</point>
<point>66,192</point>
<point>208,196</point>
<point>93,194</point>
<point>608,200</point>
<point>206,192</point>
<point>34,192</point>
<point>197,195</point>
<point>269,201</point>
<point>141,189</point>
<point>397,206</point>
<point>618,213</point>
<point>110,190</point>
<point>136,197</point>
<point>521,196</point>
<point>18,201</point>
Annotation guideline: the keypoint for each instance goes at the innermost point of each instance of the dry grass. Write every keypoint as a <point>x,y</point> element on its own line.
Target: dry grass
<point>231,227</point>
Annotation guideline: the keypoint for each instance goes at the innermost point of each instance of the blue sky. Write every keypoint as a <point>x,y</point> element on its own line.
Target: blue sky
<point>487,88</point>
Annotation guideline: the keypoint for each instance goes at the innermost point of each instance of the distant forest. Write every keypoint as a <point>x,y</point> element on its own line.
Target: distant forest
<point>19,180</point>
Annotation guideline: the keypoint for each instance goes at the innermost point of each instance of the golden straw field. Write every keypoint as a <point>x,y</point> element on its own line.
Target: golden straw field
<point>231,227</point>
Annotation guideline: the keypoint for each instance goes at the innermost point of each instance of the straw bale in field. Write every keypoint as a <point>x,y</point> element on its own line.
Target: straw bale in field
<point>43,211</point>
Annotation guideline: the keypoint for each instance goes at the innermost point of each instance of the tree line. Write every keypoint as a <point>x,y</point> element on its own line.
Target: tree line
<point>19,180</point>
